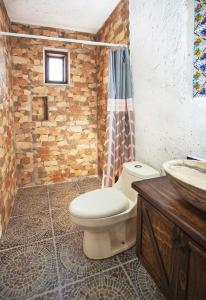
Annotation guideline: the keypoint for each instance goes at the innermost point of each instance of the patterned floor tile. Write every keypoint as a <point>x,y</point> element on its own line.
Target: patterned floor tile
<point>36,190</point>
<point>62,201</point>
<point>89,184</point>
<point>73,264</point>
<point>62,188</point>
<point>27,271</point>
<point>27,229</point>
<point>143,283</point>
<point>127,255</point>
<point>54,295</point>
<point>30,204</point>
<point>62,223</point>
<point>111,285</point>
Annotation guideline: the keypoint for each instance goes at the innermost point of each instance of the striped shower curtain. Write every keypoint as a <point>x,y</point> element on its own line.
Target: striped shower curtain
<point>119,144</point>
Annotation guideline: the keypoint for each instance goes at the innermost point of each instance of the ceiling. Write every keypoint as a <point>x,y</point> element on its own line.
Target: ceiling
<point>78,15</point>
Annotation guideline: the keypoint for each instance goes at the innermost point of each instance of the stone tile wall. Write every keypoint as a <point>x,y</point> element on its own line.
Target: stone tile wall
<point>65,146</point>
<point>39,108</point>
<point>7,148</point>
<point>114,30</point>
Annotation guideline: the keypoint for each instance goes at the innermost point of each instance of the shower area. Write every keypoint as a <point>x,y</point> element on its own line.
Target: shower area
<point>60,129</point>
<point>56,124</point>
<point>57,131</point>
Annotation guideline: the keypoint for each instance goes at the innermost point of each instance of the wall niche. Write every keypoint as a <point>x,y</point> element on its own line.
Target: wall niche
<point>39,108</point>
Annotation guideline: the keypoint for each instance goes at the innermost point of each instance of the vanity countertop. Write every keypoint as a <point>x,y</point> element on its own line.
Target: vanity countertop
<point>160,193</point>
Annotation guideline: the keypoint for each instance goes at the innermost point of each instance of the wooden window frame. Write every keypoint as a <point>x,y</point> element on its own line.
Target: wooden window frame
<point>63,55</point>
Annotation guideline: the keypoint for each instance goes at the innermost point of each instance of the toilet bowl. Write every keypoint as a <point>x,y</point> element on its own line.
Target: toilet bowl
<point>108,215</point>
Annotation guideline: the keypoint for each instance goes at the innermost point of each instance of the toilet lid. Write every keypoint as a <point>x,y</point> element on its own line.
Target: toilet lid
<point>99,204</point>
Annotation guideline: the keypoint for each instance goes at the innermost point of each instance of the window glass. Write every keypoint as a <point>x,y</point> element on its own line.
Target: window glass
<point>56,67</point>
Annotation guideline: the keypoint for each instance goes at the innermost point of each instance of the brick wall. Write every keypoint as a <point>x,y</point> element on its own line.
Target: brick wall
<point>114,30</point>
<point>65,146</point>
<point>7,150</point>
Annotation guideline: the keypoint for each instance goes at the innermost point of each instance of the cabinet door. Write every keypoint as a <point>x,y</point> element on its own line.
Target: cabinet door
<point>156,237</point>
<point>196,274</point>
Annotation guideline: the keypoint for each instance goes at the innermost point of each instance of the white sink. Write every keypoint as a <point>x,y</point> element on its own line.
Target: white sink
<point>189,178</point>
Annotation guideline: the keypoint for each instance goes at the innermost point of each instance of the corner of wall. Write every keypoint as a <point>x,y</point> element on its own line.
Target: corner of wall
<point>7,141</point>
<point>0,227</point>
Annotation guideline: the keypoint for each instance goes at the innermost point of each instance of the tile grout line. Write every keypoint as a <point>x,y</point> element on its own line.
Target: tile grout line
<point>25,245</point>
<point>129,261</point>
<point>37,213</point>
<point>128,277</point>
<point>12,215</point>
<point>54,244</point>
<point>44,293</point>
<point>126,262</point>
<point>30,243</point>
<point>71,180</point>
<point>54,239</point>
<point>30,214</point>
<point>90,276</point>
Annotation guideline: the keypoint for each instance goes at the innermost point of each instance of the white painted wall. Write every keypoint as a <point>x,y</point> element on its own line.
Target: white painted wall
<point>169,122</point>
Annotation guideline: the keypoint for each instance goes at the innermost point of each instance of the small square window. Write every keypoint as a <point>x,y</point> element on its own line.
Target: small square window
<point>56,67</point>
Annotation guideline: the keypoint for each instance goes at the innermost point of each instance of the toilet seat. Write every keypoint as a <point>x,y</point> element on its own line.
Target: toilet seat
<point>100,203</point>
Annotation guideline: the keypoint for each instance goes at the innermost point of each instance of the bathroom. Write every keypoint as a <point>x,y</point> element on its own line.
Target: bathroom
<point>53,137</point>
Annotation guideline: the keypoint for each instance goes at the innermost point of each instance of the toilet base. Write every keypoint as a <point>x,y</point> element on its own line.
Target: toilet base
<point>110,241</point>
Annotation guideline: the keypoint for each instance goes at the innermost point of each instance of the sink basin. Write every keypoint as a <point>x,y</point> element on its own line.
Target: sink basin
<point>189,179</point>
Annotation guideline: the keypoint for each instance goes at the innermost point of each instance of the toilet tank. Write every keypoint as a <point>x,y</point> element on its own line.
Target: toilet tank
<point>134,171</point>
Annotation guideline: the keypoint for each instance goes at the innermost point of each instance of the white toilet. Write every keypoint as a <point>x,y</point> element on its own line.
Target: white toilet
<point>108,215</point>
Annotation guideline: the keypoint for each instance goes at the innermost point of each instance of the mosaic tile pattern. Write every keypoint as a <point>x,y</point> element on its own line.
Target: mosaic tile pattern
<point>143,283</point>
<point>36,190</point>
<point>27,229</point>
<point>62,223</point>
<point>62,188</point>
<point>108,285</point>
<point>30,204</point>
<point>127,255</point>
<point>27,270</point>
<point>199,76</point>
<point>89,184</point>
<point>54,295</point>
<point>61,201</point>
<point>41,256</point>
<point>73,264</point>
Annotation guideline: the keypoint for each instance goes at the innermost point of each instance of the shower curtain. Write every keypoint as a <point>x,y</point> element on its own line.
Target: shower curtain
<point>119,144</point>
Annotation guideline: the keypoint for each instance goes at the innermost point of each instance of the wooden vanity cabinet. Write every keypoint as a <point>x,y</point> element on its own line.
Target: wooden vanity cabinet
<point>171,240</point>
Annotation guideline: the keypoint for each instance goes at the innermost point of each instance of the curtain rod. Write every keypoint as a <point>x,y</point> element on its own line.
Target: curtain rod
<point>59,39</point>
